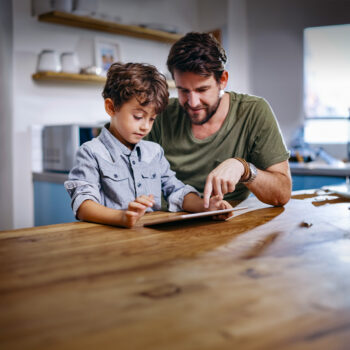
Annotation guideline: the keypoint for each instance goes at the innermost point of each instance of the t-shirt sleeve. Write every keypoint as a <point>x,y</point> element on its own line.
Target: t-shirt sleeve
<point>266,143</point>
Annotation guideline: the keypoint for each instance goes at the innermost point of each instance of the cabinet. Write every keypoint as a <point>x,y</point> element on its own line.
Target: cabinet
<point>302,182</point>
<point>52,204</point>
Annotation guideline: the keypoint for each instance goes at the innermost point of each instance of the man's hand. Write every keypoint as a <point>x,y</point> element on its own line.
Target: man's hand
<point>223,179</point>
<point>137,209</point>
<point>216,203</point>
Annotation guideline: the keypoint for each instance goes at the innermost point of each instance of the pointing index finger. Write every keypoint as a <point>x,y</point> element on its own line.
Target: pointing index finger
<point>208,189</point>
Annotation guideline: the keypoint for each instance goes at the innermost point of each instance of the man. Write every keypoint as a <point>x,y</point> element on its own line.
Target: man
<point>222,143</point>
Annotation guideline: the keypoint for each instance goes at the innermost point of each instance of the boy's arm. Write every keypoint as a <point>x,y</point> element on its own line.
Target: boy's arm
<point>95,212</point>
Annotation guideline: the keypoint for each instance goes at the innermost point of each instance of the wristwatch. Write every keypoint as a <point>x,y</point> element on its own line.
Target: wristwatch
<point>253,172</point>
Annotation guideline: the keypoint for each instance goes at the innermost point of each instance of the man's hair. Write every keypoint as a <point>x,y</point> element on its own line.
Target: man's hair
<point>140,80</point>
<point>198,53</point>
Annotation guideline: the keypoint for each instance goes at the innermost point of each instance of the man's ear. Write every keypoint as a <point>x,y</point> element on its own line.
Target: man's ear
<point>223,80</point>
<point>109,107</point>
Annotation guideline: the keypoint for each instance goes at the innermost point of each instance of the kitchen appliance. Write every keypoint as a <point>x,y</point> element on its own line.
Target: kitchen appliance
<point>61,142</point>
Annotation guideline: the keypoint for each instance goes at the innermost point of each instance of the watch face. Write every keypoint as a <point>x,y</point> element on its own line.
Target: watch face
<point>253,173</point>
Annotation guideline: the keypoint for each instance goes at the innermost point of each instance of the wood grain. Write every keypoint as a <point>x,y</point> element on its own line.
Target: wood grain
<point>259,281</point>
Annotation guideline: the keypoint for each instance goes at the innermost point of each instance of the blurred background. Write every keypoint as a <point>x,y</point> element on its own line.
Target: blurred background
<point>53,57</point>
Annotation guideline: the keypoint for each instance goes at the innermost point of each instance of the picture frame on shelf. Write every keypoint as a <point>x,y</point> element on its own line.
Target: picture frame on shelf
<point>106,52</point>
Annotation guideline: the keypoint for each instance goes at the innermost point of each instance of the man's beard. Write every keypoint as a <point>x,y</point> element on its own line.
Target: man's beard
<point>210,112</point>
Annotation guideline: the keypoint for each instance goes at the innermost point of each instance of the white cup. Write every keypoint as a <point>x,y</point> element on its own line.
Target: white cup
<point>48,61</point>
<point>70,62</point>
<point>63,5</point>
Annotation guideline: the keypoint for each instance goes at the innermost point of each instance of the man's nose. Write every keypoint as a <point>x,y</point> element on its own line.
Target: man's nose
<point>193,99</point>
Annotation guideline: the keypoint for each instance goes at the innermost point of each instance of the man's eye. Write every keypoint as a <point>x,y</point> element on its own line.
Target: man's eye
<point>137,118</point>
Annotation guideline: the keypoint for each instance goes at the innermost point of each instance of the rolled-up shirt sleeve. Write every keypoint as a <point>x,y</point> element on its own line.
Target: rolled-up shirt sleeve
<point>83,180</point>
<point>173,189</point>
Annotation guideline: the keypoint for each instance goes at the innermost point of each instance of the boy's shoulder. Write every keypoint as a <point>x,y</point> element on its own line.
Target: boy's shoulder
<point>150,146</point>
<point>96,147</point>
<point>150,149</point>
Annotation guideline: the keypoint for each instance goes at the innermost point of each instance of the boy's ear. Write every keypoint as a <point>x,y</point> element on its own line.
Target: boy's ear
<point>109,107</point>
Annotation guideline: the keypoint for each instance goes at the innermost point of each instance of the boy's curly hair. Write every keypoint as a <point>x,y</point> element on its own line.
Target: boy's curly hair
<point>140,80</point>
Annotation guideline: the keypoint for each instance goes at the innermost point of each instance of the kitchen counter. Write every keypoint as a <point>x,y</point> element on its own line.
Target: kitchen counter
<point>47,176</point>
<point>319,168</point>
<point>269,278</point>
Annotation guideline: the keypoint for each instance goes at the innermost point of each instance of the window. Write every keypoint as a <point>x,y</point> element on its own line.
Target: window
<point>327,84</point>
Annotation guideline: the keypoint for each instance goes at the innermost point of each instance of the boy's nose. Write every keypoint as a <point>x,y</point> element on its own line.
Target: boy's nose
<point>145,125</point>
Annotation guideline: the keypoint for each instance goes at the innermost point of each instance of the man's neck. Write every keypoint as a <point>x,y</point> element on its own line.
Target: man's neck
<point>215,122</point>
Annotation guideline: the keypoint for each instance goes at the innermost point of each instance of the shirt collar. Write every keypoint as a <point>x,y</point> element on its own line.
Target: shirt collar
<point>117,148</point>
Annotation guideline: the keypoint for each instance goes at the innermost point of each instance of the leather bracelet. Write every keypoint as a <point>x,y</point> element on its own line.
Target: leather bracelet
<point>246,173</point>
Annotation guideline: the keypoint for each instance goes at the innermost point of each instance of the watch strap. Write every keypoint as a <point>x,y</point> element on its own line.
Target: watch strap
<point>246,173</point>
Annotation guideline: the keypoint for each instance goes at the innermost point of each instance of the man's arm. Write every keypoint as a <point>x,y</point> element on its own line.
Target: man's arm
<point>272,185</point>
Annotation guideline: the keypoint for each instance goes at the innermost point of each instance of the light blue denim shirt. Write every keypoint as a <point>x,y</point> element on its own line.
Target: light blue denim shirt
<point>109,173</point>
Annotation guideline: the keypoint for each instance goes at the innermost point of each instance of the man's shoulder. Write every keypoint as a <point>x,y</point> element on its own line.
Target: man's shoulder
<point>246,98</point>
<point>173,108</point>
<point>251,105</point>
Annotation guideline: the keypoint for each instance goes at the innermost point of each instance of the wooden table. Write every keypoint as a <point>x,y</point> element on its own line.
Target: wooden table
<point>271,278</point>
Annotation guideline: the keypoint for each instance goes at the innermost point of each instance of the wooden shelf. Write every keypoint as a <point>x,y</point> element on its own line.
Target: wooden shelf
<point>68,77</point>
<point>72,20</point>
<point>78,78</point>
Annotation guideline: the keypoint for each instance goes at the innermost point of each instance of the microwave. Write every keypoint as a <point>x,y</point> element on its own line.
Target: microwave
<point>60,144</point>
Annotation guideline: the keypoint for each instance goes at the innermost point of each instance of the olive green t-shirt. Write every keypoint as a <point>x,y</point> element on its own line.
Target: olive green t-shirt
<point>250,131</point>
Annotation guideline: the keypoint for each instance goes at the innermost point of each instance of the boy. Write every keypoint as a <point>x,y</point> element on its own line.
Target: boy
<point>117,176</point>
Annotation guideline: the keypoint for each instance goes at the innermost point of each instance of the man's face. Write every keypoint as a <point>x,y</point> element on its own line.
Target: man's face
<point>198,95</point>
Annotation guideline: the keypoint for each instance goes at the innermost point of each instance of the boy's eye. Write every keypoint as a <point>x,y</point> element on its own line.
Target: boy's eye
<point>152,119</point>
<point>137,118</point>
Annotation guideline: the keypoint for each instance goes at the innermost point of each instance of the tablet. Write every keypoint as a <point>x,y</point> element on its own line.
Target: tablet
<point>149,221</point>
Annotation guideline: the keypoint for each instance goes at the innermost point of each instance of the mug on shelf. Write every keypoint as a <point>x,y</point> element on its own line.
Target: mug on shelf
<point>48,60</point>
<point>70,63</point>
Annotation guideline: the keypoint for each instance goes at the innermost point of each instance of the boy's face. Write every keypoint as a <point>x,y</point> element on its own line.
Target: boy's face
<point>131,122</point>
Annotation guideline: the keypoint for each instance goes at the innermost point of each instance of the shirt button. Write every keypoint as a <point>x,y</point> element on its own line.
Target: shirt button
<point>133,162</point>
<point>139,184</point>
<point>115,175</point>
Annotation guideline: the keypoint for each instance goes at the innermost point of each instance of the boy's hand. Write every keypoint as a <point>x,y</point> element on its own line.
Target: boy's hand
<point>137,209</point>
<point>216,203</point>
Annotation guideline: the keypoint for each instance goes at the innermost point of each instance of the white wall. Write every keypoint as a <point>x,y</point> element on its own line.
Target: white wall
<point>50,103</point>
<point>238,47</point>
<point>6,183</point>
